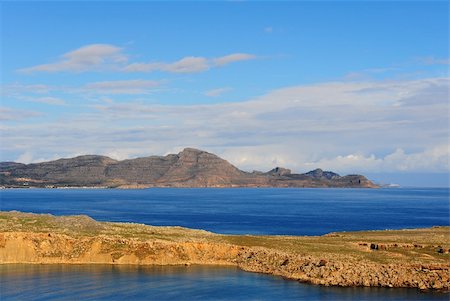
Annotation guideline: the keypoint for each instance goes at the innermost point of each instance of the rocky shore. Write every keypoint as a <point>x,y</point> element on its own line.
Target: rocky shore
<point>417,258</point>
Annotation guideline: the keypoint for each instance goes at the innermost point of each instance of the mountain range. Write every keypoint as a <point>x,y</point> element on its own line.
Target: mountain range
<point>189,168</point>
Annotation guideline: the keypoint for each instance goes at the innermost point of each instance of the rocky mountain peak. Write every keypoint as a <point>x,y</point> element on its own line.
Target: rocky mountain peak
<point>194,156</point>
<point>190,150</point>
<point>279,171</point>
<point>83,160</point>
<point>316,173</point>
<point>320,174</point>
<point>189,168</point>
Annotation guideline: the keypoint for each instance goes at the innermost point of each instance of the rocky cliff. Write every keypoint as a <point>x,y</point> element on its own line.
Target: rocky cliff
<point>189,168</point>
<point>417,258</point>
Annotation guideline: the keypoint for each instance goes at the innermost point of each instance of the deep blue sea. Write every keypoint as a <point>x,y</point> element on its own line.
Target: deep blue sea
<point>245,210</point>
<point>239,211</point>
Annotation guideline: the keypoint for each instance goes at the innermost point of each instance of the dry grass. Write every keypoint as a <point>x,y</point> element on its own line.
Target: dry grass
<point>409,246</point>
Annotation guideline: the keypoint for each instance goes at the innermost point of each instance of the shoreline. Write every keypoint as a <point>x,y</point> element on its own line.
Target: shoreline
<point>415,258</point>
<point>140,187</point>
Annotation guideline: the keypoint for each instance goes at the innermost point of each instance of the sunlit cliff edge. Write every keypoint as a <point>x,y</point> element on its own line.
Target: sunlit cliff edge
<point>416,258</point>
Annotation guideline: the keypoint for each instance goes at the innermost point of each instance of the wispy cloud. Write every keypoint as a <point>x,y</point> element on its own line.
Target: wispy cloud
<point>231,58</point>
<point>425,66</point>
<point>17,88</point>
<point>9,114</point>
<point>190,64</point>
<point>45,93</point>
<point>86,58</point>
<point>46,100</point>
<point>136,86</point>
<point>105,57</point>
<point>431,60</point>
<point>369,73</point>
<point>217,92</point>
<point>268,29</point>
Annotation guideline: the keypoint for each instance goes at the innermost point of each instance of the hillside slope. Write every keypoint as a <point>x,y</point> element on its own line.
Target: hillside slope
<point>189,168</point>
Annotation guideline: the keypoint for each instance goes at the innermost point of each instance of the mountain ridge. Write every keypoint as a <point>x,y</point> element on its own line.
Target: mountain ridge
<point>189,168</point>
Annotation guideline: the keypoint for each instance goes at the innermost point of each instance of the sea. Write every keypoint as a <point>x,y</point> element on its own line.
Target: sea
<point>272,211</point>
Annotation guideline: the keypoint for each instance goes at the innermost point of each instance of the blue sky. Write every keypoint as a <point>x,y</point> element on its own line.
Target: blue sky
<point>349,86</point>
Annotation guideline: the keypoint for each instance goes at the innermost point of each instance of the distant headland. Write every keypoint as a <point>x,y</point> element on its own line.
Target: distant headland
<point>189,168</point>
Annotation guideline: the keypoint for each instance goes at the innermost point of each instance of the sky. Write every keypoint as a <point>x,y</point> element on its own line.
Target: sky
<point>353,87</point>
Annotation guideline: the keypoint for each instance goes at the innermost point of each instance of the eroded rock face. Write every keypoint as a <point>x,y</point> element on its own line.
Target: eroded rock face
<point>59,248</point>
<point>199,168</point>
<point>84,170</point>
<point>189,168</point>
<point>325,270</point>
<point>279,171</point>
<point>320,174</point>
<point>408,259</point>
<point>140,170</point>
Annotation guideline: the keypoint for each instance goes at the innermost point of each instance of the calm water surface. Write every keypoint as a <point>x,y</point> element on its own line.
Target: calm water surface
<point>103,282</point>
<point>254,211</point>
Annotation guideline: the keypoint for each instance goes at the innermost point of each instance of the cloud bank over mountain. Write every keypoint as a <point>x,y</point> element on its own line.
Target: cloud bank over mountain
<point>392,125</point>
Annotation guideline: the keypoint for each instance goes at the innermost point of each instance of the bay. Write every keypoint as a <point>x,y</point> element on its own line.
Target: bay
<point>107,282</point>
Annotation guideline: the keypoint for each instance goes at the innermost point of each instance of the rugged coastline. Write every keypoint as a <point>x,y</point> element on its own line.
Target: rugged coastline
<point>417,258</point>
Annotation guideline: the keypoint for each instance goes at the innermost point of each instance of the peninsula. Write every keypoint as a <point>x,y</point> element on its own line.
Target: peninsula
<point>416,258</point>
<point>189,168</point>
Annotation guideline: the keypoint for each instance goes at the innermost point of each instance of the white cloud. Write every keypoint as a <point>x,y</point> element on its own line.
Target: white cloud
<point>45,100</point>
<point>87,58</point>
<point>262,157</point>
<point>16,88</point>
<point>143,67</point>
<point>268,29</point>
<point>231,58</point>
<point>23,92</point>
<point>431,60</point>
<point>101,57</point>
<point>435,159</point>
<point>189,64</point>
<point>26,157</point>
<point>36,93</point>
<point>216,92</point>
<point>9,114</point>
<point>135,86</point>
<point>122,153</point>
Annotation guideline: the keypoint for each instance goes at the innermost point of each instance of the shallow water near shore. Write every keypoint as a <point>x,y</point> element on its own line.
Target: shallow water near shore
<point>239,211</point>
<point>106,282</point>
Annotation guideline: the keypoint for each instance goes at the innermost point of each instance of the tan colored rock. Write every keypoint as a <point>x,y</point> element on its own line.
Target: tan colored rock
<point>189,168</point>
<point>30,238</point>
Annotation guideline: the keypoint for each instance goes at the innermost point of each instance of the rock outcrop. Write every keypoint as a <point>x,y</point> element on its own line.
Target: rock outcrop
<point>320,174</point>
<point>408,258</point>
<point>189,168</point>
